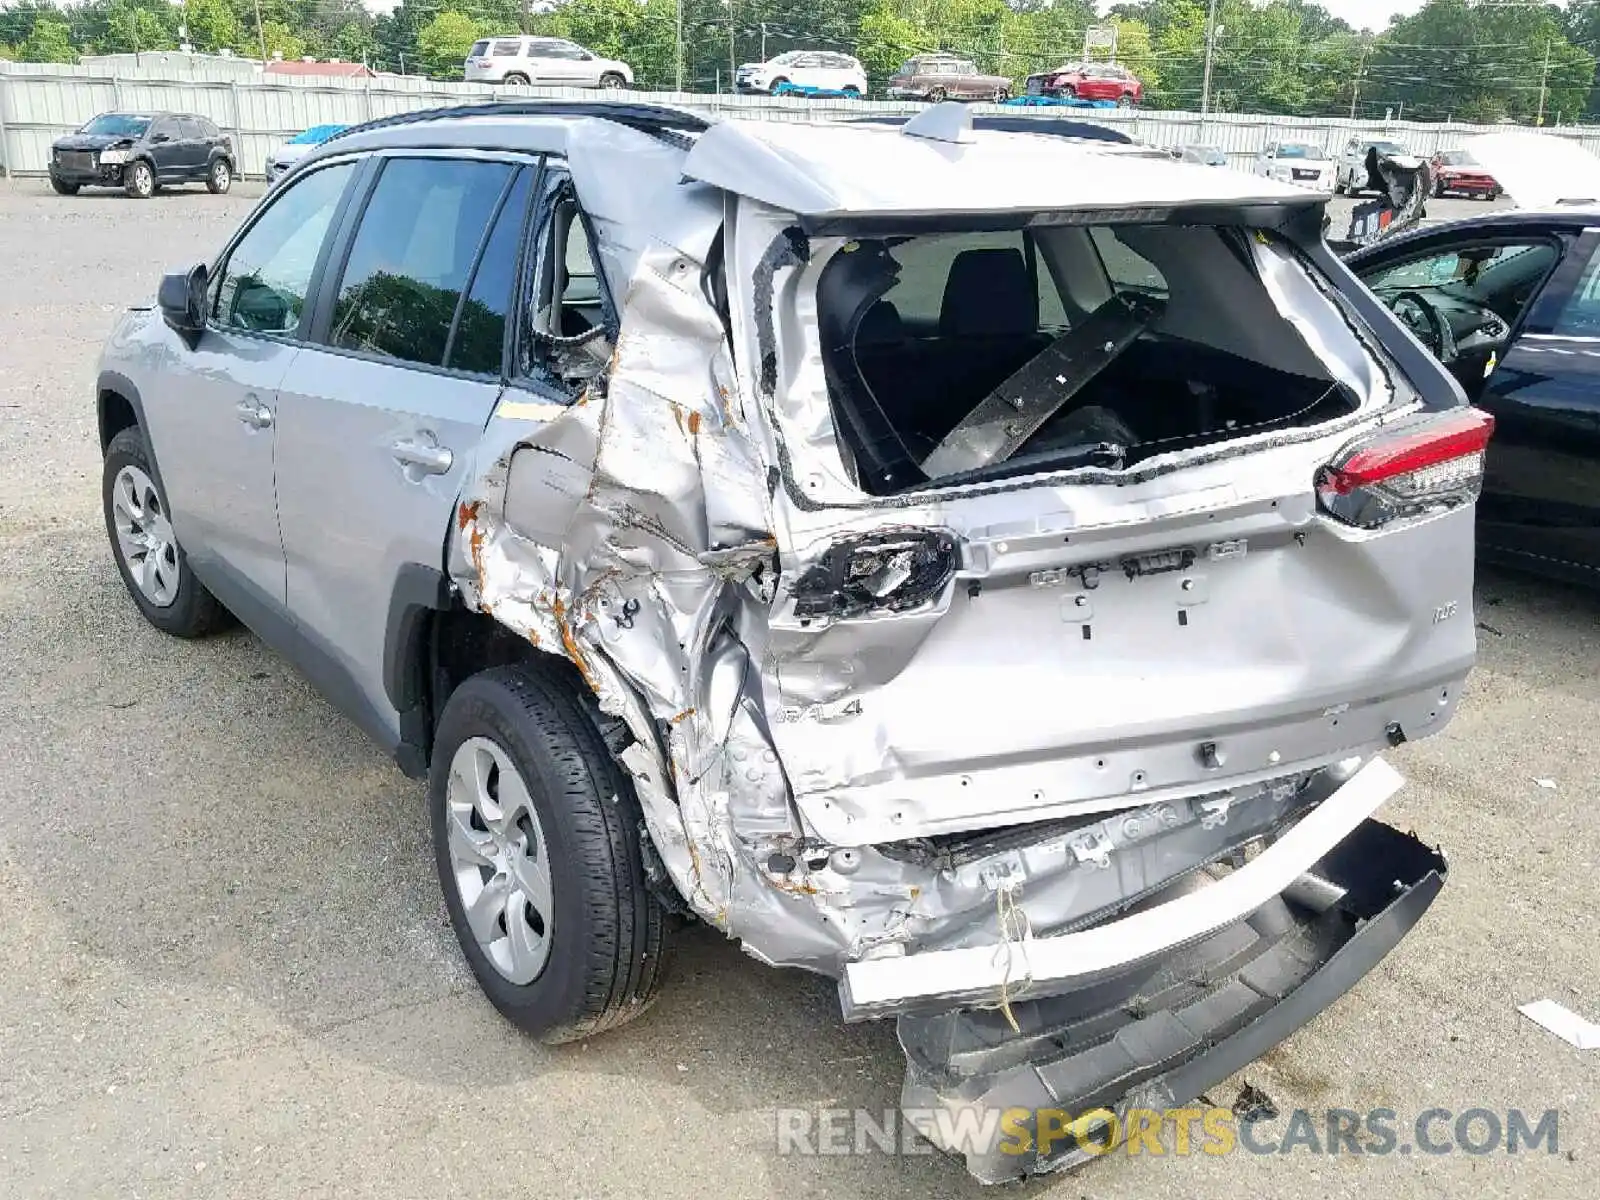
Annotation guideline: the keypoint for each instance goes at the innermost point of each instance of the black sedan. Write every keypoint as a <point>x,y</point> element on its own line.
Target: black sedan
<point>1510,303</point>
<point>140,152</point>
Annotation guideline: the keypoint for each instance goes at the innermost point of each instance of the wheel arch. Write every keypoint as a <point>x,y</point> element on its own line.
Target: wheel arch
<point>118,406</point>
<point>432,644</point>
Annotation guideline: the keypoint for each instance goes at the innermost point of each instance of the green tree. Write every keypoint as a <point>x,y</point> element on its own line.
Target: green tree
<point>213,26</point>
<point>49,41</point>
<point>443,43</point>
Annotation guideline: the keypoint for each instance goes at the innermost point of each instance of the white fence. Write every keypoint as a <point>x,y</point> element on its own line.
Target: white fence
<point>41,102</point>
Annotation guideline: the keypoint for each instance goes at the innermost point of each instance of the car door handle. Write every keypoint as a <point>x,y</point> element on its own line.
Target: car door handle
<point>428,459</point>
<point>254,413</point>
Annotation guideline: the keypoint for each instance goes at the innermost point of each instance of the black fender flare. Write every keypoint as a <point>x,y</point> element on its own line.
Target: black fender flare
<point>419,592</point>
<point>115,383</point>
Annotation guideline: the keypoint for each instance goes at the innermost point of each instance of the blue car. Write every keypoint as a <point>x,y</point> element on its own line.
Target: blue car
<point>297,147</point>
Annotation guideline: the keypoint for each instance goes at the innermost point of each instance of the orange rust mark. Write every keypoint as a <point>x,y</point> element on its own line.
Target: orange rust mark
<point>467,514</point>
<point>570,643</point>
<point>694,422</point>
<point>683,716</point>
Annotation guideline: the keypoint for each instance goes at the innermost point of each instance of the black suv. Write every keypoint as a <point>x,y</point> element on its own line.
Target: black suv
<point>140,152</point>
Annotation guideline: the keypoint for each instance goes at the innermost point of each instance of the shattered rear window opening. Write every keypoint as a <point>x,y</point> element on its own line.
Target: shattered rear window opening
<point>957,357</point>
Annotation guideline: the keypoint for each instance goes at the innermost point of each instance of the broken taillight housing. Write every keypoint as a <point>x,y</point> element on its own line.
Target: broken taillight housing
<point>1417,466</point>
<point>891,570</point>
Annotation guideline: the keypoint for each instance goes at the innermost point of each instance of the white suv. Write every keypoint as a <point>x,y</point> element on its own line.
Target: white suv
<point>548,61</point>
<point>804,69</point>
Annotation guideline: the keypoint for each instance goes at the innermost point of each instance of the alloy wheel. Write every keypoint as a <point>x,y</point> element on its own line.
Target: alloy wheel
<point>144,536</point>
<point>499,859</point>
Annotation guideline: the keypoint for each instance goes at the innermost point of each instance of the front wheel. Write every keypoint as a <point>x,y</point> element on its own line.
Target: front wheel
<point>1125,100</point>
<point>1001,95</point>
<point>152,564</point>
<point>516,77</point>
<point>139,180</point>
<point>220,177</point>
<point>851,92</point>
<point>536,838</point>
<point>937,95</point>
<point>62,187</point>
<point>611,81</point>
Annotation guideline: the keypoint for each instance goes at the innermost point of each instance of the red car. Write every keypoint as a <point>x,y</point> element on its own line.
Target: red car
<point>1089,81</point>
<point>1454,171</point>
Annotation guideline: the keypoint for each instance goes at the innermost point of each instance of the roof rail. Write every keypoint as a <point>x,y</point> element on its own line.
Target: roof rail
<point>669,124</point>
<point>1051,126</point>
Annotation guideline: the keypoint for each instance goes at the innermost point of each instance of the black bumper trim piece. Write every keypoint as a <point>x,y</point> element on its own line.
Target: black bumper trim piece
<point>1168,1035</point>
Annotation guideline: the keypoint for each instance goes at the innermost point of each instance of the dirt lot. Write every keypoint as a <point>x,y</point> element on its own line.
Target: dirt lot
<point>225,968</point>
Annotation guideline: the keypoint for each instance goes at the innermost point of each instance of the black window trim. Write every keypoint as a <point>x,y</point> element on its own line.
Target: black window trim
<point>299,335</point>
<point>471,280</point>
<point>331,268</point>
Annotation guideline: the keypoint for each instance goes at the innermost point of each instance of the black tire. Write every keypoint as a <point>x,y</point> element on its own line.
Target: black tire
<point>517,77</point>
<point>1438,188</point>
<point>1338,184</point>
<point>1125,100</point>
<point>63,188</point>
<point>220,177</point>
<point>611,81</point>
<point>194,612</point>
<point>772,88</point>
<point>609,941</point>
<point>139,179</point>
<point>852,92</point>
<point>1001,95</point>
<point>937,95</point>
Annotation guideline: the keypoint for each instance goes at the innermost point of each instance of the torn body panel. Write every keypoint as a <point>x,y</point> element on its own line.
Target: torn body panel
<point>864,725</point>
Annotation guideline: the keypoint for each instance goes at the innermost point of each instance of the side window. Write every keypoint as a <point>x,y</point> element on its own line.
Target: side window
<point>1128,270</point>
<point>511,48</point>
<point>165,127</point>
<point>408,264</point>
<point>947,281</point>
<point>263,284</point>
<point>569,341</point>
<point>1580,316</point>
<point>481,328</point>
<point>189,129</point>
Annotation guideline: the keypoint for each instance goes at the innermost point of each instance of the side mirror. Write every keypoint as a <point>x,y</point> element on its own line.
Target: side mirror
<point>182,300</point>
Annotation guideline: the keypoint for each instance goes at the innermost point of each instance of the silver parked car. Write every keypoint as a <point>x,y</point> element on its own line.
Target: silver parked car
<point>859,538</point>
<point>549,62</point>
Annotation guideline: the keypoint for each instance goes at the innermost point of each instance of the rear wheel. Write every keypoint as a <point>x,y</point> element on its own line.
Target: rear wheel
<point>1001,95</point>
<point>220,178</point>
<point>138,180</point>
<point>851,92</point>
<point>1125,100</point>
<point>516,77</point>
<point>611,81</point>
<point>937,95</point>
<point>62,187</point>
<point>152,564</point>
<point>536,837</point>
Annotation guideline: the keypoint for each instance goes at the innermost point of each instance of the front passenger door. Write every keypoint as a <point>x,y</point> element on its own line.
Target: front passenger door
<point>166,149</point>
<point>381,419</point>
<point>213,419</point>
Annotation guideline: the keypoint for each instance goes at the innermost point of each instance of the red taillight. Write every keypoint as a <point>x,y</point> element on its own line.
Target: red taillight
<point>1422,465</point>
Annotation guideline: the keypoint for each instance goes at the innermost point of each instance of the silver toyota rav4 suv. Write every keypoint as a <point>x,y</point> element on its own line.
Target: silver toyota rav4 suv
<point>981,567</point>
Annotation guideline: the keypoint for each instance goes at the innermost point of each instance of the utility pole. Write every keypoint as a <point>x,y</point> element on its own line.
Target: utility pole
<point>1355,88</point>
<point>680,45</point>
<point>1211,42</point>
<point>733,58</point>
<point>1544,82</point>
<point>261,35</point>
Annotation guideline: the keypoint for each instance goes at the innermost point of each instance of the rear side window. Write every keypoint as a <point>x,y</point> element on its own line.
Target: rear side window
<point>262,286</point>
<point>481,329</point>
<point>1126,268</point>
<point>1580,317</point>
<point>510,48</point>
<point>479,49</point>
<point>412,255</point>
<point>948,282</point>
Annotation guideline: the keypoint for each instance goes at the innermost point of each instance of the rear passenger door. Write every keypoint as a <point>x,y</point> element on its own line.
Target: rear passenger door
<point>381,418</point>
<point>196,147</point>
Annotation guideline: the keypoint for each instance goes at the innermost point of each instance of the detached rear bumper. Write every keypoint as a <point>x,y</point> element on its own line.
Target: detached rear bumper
<point>1161,1034</point>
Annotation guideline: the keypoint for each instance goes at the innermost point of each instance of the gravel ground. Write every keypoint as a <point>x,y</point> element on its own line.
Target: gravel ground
<point>225,968</point>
